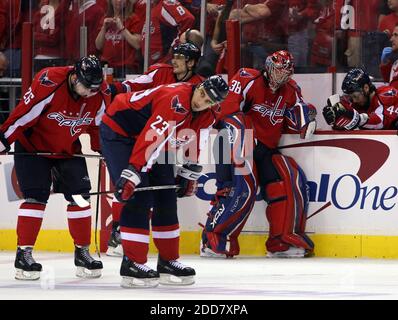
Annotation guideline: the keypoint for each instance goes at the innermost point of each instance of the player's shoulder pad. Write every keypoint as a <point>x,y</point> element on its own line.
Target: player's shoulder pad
<point>293,84</point>
<point>171,3</point>
<point>51,77</point>
<point>248,73</point>
<point>158,66</point>
<point>387,95</point>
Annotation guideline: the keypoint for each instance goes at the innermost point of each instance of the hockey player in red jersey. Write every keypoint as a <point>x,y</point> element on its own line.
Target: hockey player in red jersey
<point>61,104</point>
<point>363,106</point>
<point>182,69</point>
<point>143,128</point>
<point>273,102</point>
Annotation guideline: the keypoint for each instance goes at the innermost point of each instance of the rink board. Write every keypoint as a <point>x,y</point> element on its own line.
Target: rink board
<point>351,176</point>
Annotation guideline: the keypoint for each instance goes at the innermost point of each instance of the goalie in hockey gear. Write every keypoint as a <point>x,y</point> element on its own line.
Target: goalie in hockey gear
<point>286,212</point>
<point>172,272</point>
<point>4,145</point>
<point>26,267</point>
<point>236,188</point>
<point>301,118</point>
<point>136,275</point>
<point>279,68</point>
<point>125,186</point>
<point>89,77</point>
<point>187,179</point>
<point>87,267</point>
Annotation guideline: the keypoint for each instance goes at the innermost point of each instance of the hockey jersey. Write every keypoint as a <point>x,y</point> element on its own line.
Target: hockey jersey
<point>159,119</point>
<point>383,109</point>
<point>156,75</point>
<point>250,93</point>
<point>50,119</point>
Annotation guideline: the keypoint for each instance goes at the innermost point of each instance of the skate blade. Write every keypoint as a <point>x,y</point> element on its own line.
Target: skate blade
<point>289,254</point>
<point>130,282</point>
<point>26,275</point>
<point>170,280</point>
<point>115,252</point>
<point>207,253</point>
<point>82,272</point>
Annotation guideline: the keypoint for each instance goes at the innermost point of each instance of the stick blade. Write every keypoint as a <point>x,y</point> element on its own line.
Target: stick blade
<point>80,201</point>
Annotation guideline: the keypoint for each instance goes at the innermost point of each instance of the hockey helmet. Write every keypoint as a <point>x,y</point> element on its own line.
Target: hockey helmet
<point>89,72</point>
<point>216,88</point>
<point>188,50</point>
<point>279,68</point>
<point>355,80</point>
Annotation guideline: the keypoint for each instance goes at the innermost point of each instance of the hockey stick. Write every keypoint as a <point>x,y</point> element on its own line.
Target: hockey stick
<point>77,155</point>
<point>81,202</point>
<point>97,208</point>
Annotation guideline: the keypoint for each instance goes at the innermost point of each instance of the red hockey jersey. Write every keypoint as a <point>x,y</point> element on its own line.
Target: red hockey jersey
<point>49,119</point>
<point>383,109</point>
<point>159,119</point>
<point>156,75</point>
<point>250,93</point>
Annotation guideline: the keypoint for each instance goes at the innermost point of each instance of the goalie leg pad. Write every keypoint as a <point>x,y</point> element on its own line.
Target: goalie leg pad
<point>228,215</point>
<point>287,207</point>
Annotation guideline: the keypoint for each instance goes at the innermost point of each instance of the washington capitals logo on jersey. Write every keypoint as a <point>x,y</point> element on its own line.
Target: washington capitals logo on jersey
<point>45,81</point>
<point>244,74</point>
<point>275,112</point>
<point>177,106</point>
<point>71,122</point>
<point>389,93</point>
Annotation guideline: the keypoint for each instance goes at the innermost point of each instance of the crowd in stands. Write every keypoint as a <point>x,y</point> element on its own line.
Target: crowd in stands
<point>322,35</point>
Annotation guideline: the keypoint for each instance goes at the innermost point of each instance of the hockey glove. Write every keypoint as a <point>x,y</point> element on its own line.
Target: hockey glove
<point>187,179</point>
<point>126,184</point>
<point>329,115</point>
<point>4,145</point>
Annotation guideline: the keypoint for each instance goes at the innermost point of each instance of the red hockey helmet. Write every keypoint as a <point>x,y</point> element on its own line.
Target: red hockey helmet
<point>279,68</point>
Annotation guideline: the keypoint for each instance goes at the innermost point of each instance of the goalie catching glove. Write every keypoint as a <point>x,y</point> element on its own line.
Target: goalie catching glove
<point>187,179</point>
<point>125,186</point>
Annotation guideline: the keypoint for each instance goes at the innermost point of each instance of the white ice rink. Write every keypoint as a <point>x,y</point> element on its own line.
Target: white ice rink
<point>240,278</point>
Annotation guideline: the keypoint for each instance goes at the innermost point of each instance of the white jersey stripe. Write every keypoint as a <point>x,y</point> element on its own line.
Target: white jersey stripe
<point>31,213</point>
<point>100,113</point>
<point>135,237</point>
<point>166,234</point>
<point>168,17</point>
<point>28,117</point>
<point>244,93</point>
<point>79,214</point>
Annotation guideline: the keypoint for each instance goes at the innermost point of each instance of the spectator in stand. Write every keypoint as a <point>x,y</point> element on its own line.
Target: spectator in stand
<point>169,19</point>
<point>265,29</point>
<point>81,13</point>
<point>384,10</point>
<point>389,61</point>
<point>387,24</point>
<point>48,27</point>
<point>119,38</point>
<point>103,4</point>
<point>300,14</point>
<point>322,45</point>
<point>13,13</point>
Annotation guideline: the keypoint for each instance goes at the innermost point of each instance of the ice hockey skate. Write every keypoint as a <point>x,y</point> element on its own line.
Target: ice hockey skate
<point>115,248</point>
<point>87,267</point>
<point>175,273</point>
<point>26,267</point>
<point>135,275</point>
<point>292,252</point>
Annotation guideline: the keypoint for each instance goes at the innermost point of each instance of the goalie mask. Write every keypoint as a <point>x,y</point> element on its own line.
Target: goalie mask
<point>279,69</point>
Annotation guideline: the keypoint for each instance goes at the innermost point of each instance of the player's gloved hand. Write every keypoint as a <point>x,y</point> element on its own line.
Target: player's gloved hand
<point>125,186</point>
<point>309,128</point>
<point>4,145</point>
<point>385,55</point>
<point>329,115</point>
<point>187,177</point>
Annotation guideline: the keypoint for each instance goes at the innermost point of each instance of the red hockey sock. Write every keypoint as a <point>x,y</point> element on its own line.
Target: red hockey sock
<point>135,242</point>
<point>30,217</point>
<point>116,210</point>
<point>79,221</point>
<point>167,240</point>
